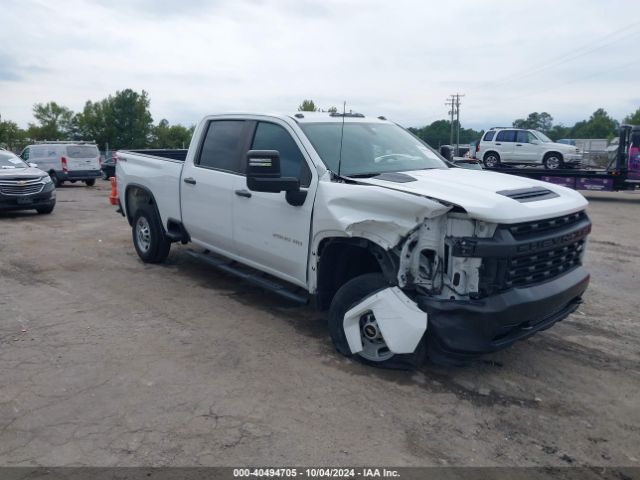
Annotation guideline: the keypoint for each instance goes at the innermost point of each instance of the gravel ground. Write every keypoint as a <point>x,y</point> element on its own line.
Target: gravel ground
<point>105,361</point>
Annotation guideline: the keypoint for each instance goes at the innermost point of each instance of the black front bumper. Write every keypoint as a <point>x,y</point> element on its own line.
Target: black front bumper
<point>465,329</point>
<point>45,198</point>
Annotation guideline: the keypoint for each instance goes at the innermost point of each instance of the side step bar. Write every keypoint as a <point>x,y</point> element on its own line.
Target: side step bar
<point>251,276</point>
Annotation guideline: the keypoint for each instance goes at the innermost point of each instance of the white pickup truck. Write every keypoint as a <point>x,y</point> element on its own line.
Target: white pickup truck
<point>410,255</point>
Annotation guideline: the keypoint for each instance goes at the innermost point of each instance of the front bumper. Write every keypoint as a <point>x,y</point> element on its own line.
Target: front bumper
<point>45,198</point>
<point>465,329</point>
<point>572,158</point>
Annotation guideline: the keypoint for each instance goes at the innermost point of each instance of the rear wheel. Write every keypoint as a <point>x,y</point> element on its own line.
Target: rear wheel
<point>491,160</point>
<point>553,161</point>
<point>55,179</point>
<point>90,183</point>
<point>374,348</point>
<point>149,239</point>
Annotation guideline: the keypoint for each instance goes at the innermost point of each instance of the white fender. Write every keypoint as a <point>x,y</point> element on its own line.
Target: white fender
<point>401,322</point>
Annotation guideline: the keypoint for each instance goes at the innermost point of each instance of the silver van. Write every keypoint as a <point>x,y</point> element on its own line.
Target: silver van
<point>66,161</point>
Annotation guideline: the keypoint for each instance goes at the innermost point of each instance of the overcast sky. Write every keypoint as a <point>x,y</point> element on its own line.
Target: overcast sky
<point>395,58</point>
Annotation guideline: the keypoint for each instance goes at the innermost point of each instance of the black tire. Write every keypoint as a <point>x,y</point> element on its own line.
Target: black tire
<point>90,183</point>
<point>350,294</point>
<point>46,210</point>
<point>158,244</point>
<point>491,160</point>
<point>553,161</point>
<point>55,179</point>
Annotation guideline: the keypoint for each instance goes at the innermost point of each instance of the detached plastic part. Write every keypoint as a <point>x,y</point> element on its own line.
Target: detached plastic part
<point>401,322</point>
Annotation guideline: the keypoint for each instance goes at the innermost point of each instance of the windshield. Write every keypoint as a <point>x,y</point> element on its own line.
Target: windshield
<point>9,160</point>
<point>82,151</point>
<point>370,148</point>
<point>543,137</point>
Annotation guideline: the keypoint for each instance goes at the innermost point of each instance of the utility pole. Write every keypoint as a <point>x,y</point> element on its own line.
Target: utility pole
<point>453,102</point>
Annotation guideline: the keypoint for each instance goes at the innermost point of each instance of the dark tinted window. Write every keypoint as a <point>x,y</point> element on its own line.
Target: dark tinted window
<point>489,135</point>
<point>506,136</point>
<point>222,144</point>
<point>270,136</point>
<point>522,136</point>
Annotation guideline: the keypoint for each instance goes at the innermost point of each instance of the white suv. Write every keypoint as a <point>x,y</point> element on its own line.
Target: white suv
<point>518,146</point>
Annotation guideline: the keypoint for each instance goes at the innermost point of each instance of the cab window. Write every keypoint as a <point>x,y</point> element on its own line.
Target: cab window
<point>270,136</point>
<point>222,145</point>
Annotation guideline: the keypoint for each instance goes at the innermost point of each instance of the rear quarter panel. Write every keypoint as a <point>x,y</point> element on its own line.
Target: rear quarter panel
<point>159,176</point>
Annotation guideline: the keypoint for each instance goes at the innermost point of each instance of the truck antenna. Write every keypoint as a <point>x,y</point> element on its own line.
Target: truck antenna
<point>344,111</point>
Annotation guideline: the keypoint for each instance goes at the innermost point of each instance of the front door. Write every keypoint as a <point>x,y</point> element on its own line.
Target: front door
<point>524,150</point>
<point>269,232</point>
<point>504,145</point>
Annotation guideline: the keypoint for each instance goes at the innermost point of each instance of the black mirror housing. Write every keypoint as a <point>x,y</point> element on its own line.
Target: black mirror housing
<point>263,173</point>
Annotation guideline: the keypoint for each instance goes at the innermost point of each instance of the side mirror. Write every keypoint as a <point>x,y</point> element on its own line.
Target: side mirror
<point>33,165</point>
<point>263,173</point>
<point>535,142</point>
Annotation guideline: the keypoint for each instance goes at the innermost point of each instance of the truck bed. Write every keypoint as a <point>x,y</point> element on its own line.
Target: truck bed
<point>175,154</point>
<point>159,172</point>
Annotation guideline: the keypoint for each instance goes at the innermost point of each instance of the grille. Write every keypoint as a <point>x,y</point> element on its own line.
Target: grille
<point>15,188</point>
<point>541,266</point>
<point>521,230</point>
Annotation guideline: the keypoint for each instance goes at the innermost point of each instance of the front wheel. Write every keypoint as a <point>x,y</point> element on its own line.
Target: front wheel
<point>46,210</point>
<point>374,348</point>
<point>149,239</point>
<point>55,179</point>
<point>91,182</point>
<point>553,161</point>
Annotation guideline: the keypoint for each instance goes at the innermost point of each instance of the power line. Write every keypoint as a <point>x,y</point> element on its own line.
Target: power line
<point>572,54</point>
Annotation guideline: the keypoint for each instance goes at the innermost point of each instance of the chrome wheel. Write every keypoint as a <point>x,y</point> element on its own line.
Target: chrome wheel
<point>143,234</point>
<point>374,348</point>
<point>552,162</point>
<point>491,161</point>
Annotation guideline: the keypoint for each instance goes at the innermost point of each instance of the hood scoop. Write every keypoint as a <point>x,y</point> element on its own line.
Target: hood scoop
<point>532,194</point>
<point>395,177</point>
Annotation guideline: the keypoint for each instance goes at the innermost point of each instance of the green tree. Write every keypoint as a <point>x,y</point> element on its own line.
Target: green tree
<point>307,106</point>
<point>439,133</point>
<point>634,118</point>
<point>12,136</point>
<point>164,135</point>
<point>332,110</point>
<point>122,120</point>
<point>599,125</point>
<point>54,121</point>
<point>535,121</point>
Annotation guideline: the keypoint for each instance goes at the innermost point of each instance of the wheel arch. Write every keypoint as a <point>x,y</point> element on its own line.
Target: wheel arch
<point>136,195</point>
<point>552,152</point>
<point>488,152</point>
<point>340,259</point>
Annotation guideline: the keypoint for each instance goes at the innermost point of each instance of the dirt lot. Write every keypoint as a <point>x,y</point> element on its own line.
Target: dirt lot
<point>107,361</point>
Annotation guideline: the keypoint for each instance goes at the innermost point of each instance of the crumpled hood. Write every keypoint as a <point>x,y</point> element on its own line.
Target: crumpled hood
<point>476,192</point>
<point>26,173</point>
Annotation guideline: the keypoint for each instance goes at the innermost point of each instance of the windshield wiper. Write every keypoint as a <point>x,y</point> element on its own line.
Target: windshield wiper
<point>365,175</point>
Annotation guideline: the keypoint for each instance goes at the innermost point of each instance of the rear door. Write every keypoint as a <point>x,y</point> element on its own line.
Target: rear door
<point>270,233</point>
<point>208,181</point>
<point>504,144</point>
<point>82,157</point>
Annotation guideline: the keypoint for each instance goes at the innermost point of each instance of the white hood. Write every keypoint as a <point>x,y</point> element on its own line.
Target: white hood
<point>475,191</point>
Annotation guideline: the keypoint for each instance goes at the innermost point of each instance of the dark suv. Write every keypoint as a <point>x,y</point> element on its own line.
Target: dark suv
<point>23,186</point>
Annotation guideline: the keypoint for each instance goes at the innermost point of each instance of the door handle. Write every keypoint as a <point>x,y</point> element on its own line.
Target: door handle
<point>518,144</point>
<point>190,181</point>
<point>498,144</point>
<point>243,193</point>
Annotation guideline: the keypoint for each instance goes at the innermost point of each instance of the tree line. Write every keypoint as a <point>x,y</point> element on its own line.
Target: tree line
<point>122,120</point>
<point>599,125</point>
